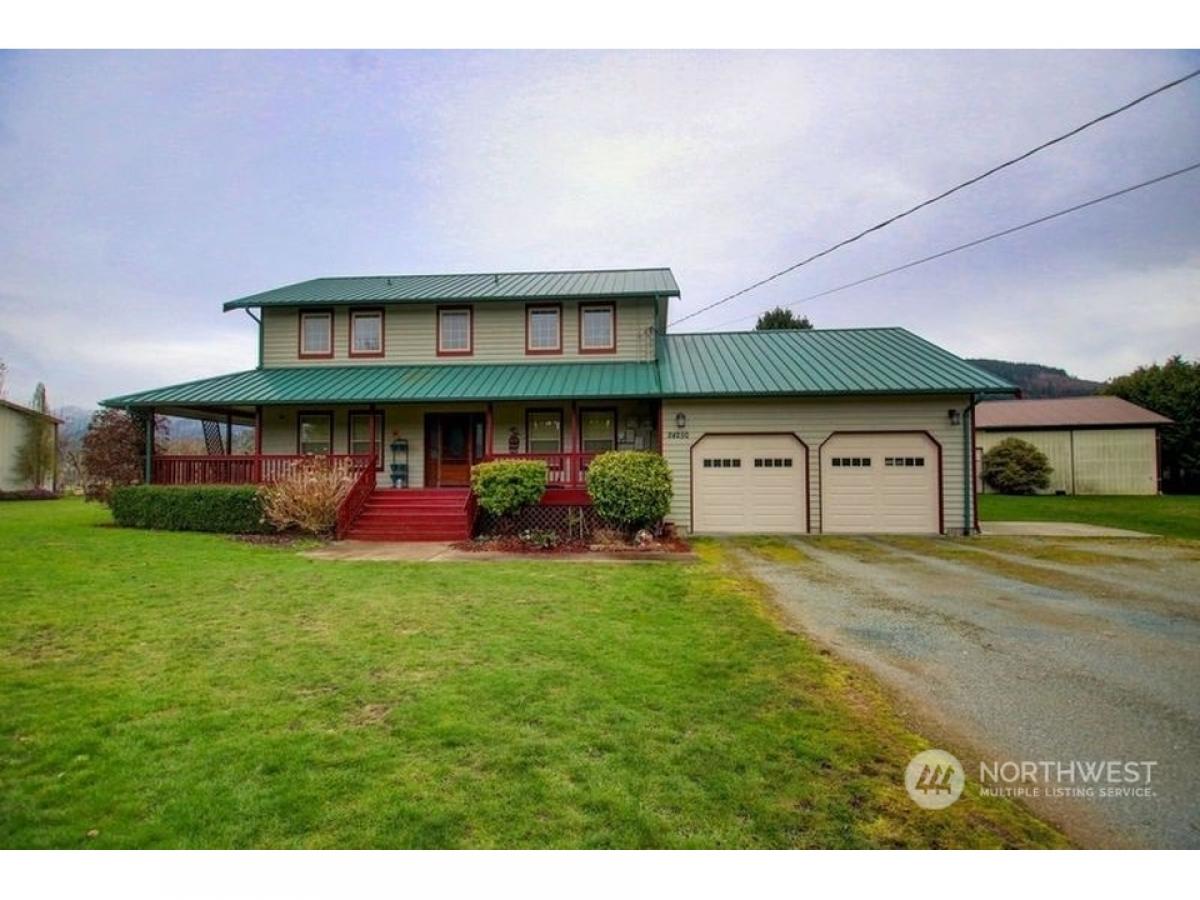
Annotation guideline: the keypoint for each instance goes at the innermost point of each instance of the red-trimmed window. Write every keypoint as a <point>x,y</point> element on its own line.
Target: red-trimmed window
<point>544,430</point>
<point>366,332</point>
<point>543,329</point>
<point>455,329</point>
<point>598,430</point>
<point>314,433</point>
<point>316,335</point>
<point>359,438</point>
<point>597,328</point>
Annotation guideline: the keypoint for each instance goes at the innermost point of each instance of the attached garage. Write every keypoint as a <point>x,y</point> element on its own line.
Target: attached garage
<point>750,483</point>
<point>740,411</point>
<point>880,482</point>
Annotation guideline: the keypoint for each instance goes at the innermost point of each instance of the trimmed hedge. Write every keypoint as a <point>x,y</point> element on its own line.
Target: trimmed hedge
<point>630,488</point>
<point>506,487</point>
<point>220,508</point>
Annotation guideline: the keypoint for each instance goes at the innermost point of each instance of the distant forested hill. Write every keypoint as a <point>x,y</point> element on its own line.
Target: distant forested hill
<point>1036,380</point>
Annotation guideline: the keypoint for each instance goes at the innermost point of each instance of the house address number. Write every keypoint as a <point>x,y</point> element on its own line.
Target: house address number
<point>677,435</point>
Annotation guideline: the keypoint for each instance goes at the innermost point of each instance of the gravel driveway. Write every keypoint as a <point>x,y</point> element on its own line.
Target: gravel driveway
<point>1013,648</point>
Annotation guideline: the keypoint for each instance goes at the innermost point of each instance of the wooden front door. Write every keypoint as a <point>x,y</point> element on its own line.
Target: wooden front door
<point>450,449</point>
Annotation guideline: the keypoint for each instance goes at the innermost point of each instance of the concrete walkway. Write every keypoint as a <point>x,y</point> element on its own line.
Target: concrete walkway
<point>443,551</point>
<point>1056,529</point>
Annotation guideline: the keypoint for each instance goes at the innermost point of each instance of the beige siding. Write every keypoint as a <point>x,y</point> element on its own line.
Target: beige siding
<point>410,335</point>
<point>14,427</point>
<point>1093,460</point>
<point>1116,461</point>
<point>814,420</point>
<point>1055,444</point>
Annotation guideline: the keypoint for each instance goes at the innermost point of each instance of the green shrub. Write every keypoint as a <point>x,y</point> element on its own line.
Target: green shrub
<point>506,487</point>
<point>630,488</point>
<point>1015,466</point>
<point>225,509</point>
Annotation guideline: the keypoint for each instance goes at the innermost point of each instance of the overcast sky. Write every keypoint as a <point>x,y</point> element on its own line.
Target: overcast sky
<point>141,190</point>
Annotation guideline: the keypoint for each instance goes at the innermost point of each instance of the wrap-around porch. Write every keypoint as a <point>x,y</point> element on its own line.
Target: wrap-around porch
<point>418,446</point>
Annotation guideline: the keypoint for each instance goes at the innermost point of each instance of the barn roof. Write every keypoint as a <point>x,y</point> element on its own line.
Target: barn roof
<point>1065,412</point>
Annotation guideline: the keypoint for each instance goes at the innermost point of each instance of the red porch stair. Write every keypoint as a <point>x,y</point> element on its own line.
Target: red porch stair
<point>443,514</point>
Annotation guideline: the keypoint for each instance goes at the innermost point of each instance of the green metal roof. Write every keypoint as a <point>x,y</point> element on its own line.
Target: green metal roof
<point>829,361</point>
<point>483,286</point>
<point>739,364</point>
<point>406,384</point>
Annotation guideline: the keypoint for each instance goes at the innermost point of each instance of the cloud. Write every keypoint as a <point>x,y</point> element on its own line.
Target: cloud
<point>140,190</point>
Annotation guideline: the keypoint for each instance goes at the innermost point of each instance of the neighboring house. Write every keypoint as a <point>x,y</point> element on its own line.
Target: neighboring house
<point>783,431</point>
<point>1096,445</point>
<point>15,424</point>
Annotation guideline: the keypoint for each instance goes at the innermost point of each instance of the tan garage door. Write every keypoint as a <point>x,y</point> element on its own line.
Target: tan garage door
<point>884,483</point>
<point>749,483</point>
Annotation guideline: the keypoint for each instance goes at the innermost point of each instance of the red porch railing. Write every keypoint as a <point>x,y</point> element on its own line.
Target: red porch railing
<point>356,498</point>
<point>563,470</point>
<point>240,469</point>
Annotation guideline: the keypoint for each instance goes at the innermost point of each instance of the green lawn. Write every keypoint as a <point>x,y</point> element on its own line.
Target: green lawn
<point>187,690</point>
<point>1171,516</point>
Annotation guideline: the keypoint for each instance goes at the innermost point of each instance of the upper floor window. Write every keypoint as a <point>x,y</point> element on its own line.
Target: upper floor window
<point>597,328</point>
<point>316,334</point>
<point>454,327</point>
<point>366,332</point>
<point>543,329</point>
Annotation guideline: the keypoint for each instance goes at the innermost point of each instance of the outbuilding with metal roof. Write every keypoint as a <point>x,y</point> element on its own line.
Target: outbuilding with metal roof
<point>1095,445</point>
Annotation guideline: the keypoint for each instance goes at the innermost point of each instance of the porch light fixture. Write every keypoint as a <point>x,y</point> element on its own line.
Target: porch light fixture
<point>680,420</point>
<point>954,415</point>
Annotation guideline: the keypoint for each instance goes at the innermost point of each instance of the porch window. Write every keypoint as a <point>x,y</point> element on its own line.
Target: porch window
<point>366,333</point>
<point>454,331</point>
<point>316,334</point>
<point>314,433</point>
<point>597,328</point>
<point>599,430</point>
<point>543,328</point>
<point>544,431</point>
<point>360,436</point>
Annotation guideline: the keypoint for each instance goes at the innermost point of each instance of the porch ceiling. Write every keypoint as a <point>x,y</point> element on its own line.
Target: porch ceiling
<point>406,384</point>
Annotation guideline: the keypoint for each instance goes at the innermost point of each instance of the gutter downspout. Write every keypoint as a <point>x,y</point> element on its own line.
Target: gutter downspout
<point>260,334</point>
<point>969,499</point>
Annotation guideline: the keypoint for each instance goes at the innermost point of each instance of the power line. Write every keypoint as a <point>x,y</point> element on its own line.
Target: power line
<point>958,187</point>
<point>982,240</point>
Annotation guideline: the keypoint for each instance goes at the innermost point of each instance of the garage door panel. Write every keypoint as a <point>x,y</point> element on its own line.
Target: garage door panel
<point>749,483</point>
<point>879,483</point>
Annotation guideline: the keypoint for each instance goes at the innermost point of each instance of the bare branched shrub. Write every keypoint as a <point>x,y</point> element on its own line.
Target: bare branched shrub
<point>307,498</point>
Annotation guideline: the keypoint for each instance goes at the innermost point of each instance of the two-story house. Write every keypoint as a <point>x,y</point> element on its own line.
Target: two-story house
<point>788,431</point>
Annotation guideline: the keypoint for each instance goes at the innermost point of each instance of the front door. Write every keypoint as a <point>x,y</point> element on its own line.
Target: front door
<point>450,449</point>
